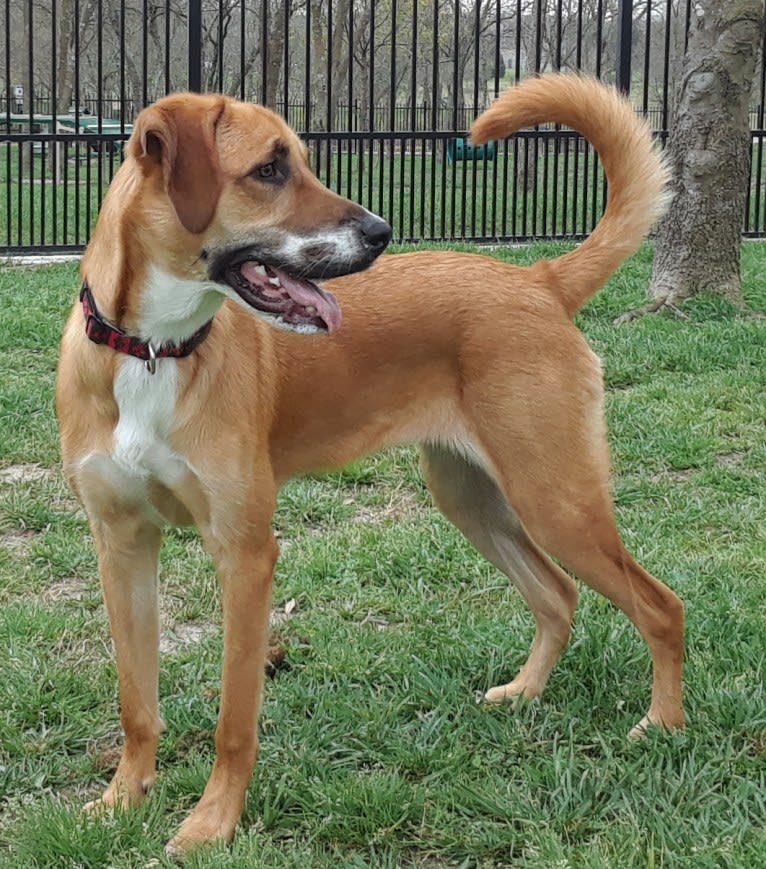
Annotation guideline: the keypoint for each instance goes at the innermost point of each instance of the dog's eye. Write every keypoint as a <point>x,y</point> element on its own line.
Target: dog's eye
<point>273,172</point>
<point>267,172</point>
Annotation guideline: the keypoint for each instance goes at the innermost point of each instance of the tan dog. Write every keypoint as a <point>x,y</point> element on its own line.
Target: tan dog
<point>215,211</point>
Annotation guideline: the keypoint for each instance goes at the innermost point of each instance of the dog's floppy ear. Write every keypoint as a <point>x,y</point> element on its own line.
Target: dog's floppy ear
<point>178,133</point>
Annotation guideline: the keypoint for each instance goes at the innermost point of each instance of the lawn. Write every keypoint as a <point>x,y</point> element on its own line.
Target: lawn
<point>374,749</point>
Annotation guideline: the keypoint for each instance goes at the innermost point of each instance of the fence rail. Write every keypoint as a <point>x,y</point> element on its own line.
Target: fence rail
<point>382,93</point>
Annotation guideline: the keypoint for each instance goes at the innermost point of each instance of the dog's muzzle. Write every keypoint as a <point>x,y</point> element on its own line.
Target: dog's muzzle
<point>275,275</point>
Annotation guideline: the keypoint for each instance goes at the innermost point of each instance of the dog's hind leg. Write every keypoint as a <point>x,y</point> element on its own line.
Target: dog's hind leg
<point>472,501</point>
<point>553,468</point>
<point>584,537</point>
<point>576,525</point>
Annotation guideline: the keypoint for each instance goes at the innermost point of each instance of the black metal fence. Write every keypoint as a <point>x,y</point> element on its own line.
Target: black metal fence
<point>382,92</point>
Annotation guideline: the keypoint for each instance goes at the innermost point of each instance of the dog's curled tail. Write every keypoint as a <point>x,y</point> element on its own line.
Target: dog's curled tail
<point>636,173</point>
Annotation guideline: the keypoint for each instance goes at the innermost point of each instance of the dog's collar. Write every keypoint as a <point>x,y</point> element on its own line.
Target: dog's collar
<point>101,331</point>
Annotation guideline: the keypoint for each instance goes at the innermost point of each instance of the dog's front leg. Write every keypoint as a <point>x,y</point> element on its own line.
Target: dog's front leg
<point>128,552</point>
<point>245,570</point>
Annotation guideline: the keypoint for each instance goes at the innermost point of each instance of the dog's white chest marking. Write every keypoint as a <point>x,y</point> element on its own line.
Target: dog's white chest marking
<point>143,471</point>
<point>172,309</point>
<point>147,404</point>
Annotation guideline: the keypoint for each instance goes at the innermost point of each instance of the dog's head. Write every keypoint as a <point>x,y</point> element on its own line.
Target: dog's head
<point>230,181</point>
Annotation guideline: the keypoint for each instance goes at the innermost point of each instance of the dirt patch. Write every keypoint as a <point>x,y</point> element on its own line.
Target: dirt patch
<point>175,638</point>
<point>756,743</point>
<point>402,504</point>
<point>669,474</point>
<point>18,540</point>
<point>24,473</point>
<point>108,758</point>
<point>730,460</point>
<point>70,588</point>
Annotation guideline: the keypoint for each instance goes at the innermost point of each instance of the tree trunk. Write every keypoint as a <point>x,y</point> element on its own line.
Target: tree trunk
<point>698,240</point>
<point>64,82</point>
<point>276,69</point>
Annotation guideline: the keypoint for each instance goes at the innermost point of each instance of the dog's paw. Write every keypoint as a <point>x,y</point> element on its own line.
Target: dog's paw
<point>201,828</point>
<point>639,731</point>
<point>98,807</point>
<point>510,694</point>
<point>120,795</point>
<point>649,723</point>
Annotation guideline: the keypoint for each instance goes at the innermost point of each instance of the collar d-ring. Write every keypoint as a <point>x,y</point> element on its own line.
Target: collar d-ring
<point>151,362</point>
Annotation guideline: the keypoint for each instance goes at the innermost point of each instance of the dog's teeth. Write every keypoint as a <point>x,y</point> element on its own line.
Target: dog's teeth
<point>275,282</point>
<point>261,270</point>
<point>311,310</point>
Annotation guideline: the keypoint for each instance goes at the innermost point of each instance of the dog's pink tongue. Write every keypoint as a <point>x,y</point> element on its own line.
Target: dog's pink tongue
<point>308,294</point>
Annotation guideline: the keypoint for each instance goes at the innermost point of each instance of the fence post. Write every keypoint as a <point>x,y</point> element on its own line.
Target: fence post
<point>195,45</point>
<point>624,44</point>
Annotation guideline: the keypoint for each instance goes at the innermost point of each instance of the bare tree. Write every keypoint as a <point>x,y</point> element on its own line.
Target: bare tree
<point>698,240</point>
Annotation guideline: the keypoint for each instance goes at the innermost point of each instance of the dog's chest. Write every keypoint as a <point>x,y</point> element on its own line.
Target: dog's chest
<point>147,413</point>
<point>143,470</point>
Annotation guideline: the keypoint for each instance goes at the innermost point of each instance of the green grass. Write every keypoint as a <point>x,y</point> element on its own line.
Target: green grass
<point>374,751</point>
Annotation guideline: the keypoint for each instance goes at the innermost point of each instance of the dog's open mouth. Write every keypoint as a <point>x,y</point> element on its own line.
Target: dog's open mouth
<point>296,303</point>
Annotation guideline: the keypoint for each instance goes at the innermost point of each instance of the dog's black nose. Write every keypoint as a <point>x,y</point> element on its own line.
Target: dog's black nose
<point>376,232</point>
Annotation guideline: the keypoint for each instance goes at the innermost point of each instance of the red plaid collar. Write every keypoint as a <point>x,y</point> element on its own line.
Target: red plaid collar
<point>101,331</point>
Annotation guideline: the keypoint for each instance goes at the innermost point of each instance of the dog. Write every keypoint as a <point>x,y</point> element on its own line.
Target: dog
<point>202,367</point>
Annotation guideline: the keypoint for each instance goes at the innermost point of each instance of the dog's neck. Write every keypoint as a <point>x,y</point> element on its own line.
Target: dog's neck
<point>172,309</point>
<point>156,307</point>
<point>150,302</point>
